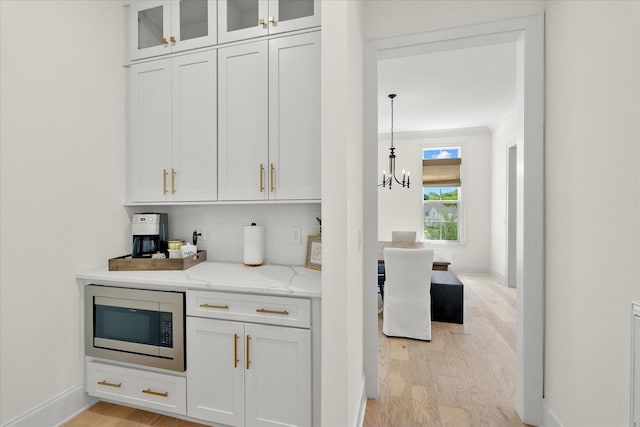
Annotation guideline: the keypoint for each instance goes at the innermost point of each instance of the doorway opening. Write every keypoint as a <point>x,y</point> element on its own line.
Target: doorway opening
<point>527,33</point>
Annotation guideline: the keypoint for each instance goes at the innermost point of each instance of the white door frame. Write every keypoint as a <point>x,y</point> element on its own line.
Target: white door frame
<point>512,209</point>
<point>528,33</point>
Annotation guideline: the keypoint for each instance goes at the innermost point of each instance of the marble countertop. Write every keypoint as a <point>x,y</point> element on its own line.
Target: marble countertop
<point>279,280</point>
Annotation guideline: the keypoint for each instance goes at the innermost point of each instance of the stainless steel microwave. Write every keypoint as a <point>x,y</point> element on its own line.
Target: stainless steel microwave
<point>145,327</point>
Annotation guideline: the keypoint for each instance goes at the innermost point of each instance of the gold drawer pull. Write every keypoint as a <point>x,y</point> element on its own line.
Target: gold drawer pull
<point>164,181</point>
<point>247,352</point>
<point>222,307</point>
<point>235,350</point>
<point>264,310</point>
<point>108,384</point>
<point>164,40</point>
<point>261,177</point>
<point>271,178</point>
<point>172,39</point>
<point>173,181</point>
<point>156,393</point>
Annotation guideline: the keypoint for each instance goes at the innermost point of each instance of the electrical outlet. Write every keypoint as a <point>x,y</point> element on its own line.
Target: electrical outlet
<point>295,235</point>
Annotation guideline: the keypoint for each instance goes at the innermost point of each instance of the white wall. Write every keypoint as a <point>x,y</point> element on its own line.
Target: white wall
<point>387,18</point>
<point>592,149</point>
<point>592,64</point>
<point>62,182</point>
<point>401,208</point>
<point>223,228</point>
<point>342,213</point>
<point>502,138</point>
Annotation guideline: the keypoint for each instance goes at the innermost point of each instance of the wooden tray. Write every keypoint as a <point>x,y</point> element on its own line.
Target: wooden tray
<point>126,263</point>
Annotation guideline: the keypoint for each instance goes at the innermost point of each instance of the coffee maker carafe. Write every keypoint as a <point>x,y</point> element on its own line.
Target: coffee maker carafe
<point>150,234</point>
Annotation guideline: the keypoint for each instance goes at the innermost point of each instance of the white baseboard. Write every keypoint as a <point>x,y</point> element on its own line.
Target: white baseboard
<point>469,270</point>
<point>54,411</point>
<point>363,406</point>
<point>498,277</point>
<point>549,417</point>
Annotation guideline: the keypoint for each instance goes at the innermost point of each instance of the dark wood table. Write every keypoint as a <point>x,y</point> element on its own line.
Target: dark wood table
<point>438,263</point>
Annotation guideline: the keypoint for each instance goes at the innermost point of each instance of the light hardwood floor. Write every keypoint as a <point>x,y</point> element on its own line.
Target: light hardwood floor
<point>465,376</point>
<point>104,414</point>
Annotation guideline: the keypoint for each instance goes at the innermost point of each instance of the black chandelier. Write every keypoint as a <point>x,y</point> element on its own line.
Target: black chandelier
<point>388,180</point>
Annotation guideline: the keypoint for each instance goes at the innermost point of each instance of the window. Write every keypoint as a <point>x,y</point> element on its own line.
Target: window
<point>441,193</point>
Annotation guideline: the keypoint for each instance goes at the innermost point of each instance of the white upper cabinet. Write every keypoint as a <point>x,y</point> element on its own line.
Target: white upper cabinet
<point>243,129</point>
<point>269,119</point>
<point>243,19</point>
<point>294,117</point>
<point>149,141</point>
<point>172,144</point>
<point>166,26</point>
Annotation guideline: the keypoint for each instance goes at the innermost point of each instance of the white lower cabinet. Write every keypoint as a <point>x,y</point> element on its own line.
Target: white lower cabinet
<point>151,390</point>
<point>249,364</point>
<point>215,374</point>
<point>244,374</point>
<point>277,376</point>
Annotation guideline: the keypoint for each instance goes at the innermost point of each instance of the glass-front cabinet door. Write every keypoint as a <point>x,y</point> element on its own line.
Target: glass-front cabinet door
<point>165,26</point>
<point>193,24</point>
<point>244,19</point>
<point>149,27</point>
<point>289,15</point>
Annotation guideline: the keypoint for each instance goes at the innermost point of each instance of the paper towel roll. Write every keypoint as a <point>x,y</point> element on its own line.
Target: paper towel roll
<point>253,245</point>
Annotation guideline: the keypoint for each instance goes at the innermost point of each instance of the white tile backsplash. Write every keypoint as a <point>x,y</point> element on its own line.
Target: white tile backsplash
<point>224,224</point>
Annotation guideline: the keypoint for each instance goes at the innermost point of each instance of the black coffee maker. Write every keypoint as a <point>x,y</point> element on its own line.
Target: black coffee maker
<point>150,233</point>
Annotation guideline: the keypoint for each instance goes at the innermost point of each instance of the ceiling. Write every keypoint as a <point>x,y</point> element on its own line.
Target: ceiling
<point>472,87</point>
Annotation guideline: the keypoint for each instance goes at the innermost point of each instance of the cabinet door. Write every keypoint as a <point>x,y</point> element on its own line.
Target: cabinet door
<point>278,378</point>
<point>149,27</point>
<point>193,24</point>
<point>149,145</point>
<point>242,19</point>
<point>288,15</point>
<point>294,116</point>
<point>243,122</point>
<point>194,138</point>
<point>215,370</point>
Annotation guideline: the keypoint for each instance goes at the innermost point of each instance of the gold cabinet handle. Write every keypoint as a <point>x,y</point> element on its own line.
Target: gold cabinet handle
<point>272,20</point>
<point>247,351</point>
<point>164,181</point>
<point>108,384</point>
<point>271,175</point>
<point>261,177</point>
<point>261,21</point>
<point>172,39</point>
<point>235,350</point>
<point>156,393</point>
<point>222,307</point>
<point>173,181</point>
<point>264,310</point>
<point>164,40</point>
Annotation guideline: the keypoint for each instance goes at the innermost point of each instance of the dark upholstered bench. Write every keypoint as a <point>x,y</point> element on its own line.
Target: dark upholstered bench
<point>447,297</point>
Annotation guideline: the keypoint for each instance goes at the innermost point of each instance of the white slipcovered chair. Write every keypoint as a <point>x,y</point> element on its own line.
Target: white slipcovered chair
<point>403,236</point>
<point>407,299</point>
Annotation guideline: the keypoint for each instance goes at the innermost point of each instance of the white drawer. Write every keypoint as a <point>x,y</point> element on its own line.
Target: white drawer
<point>147,389</point>
<point>295,312</point>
